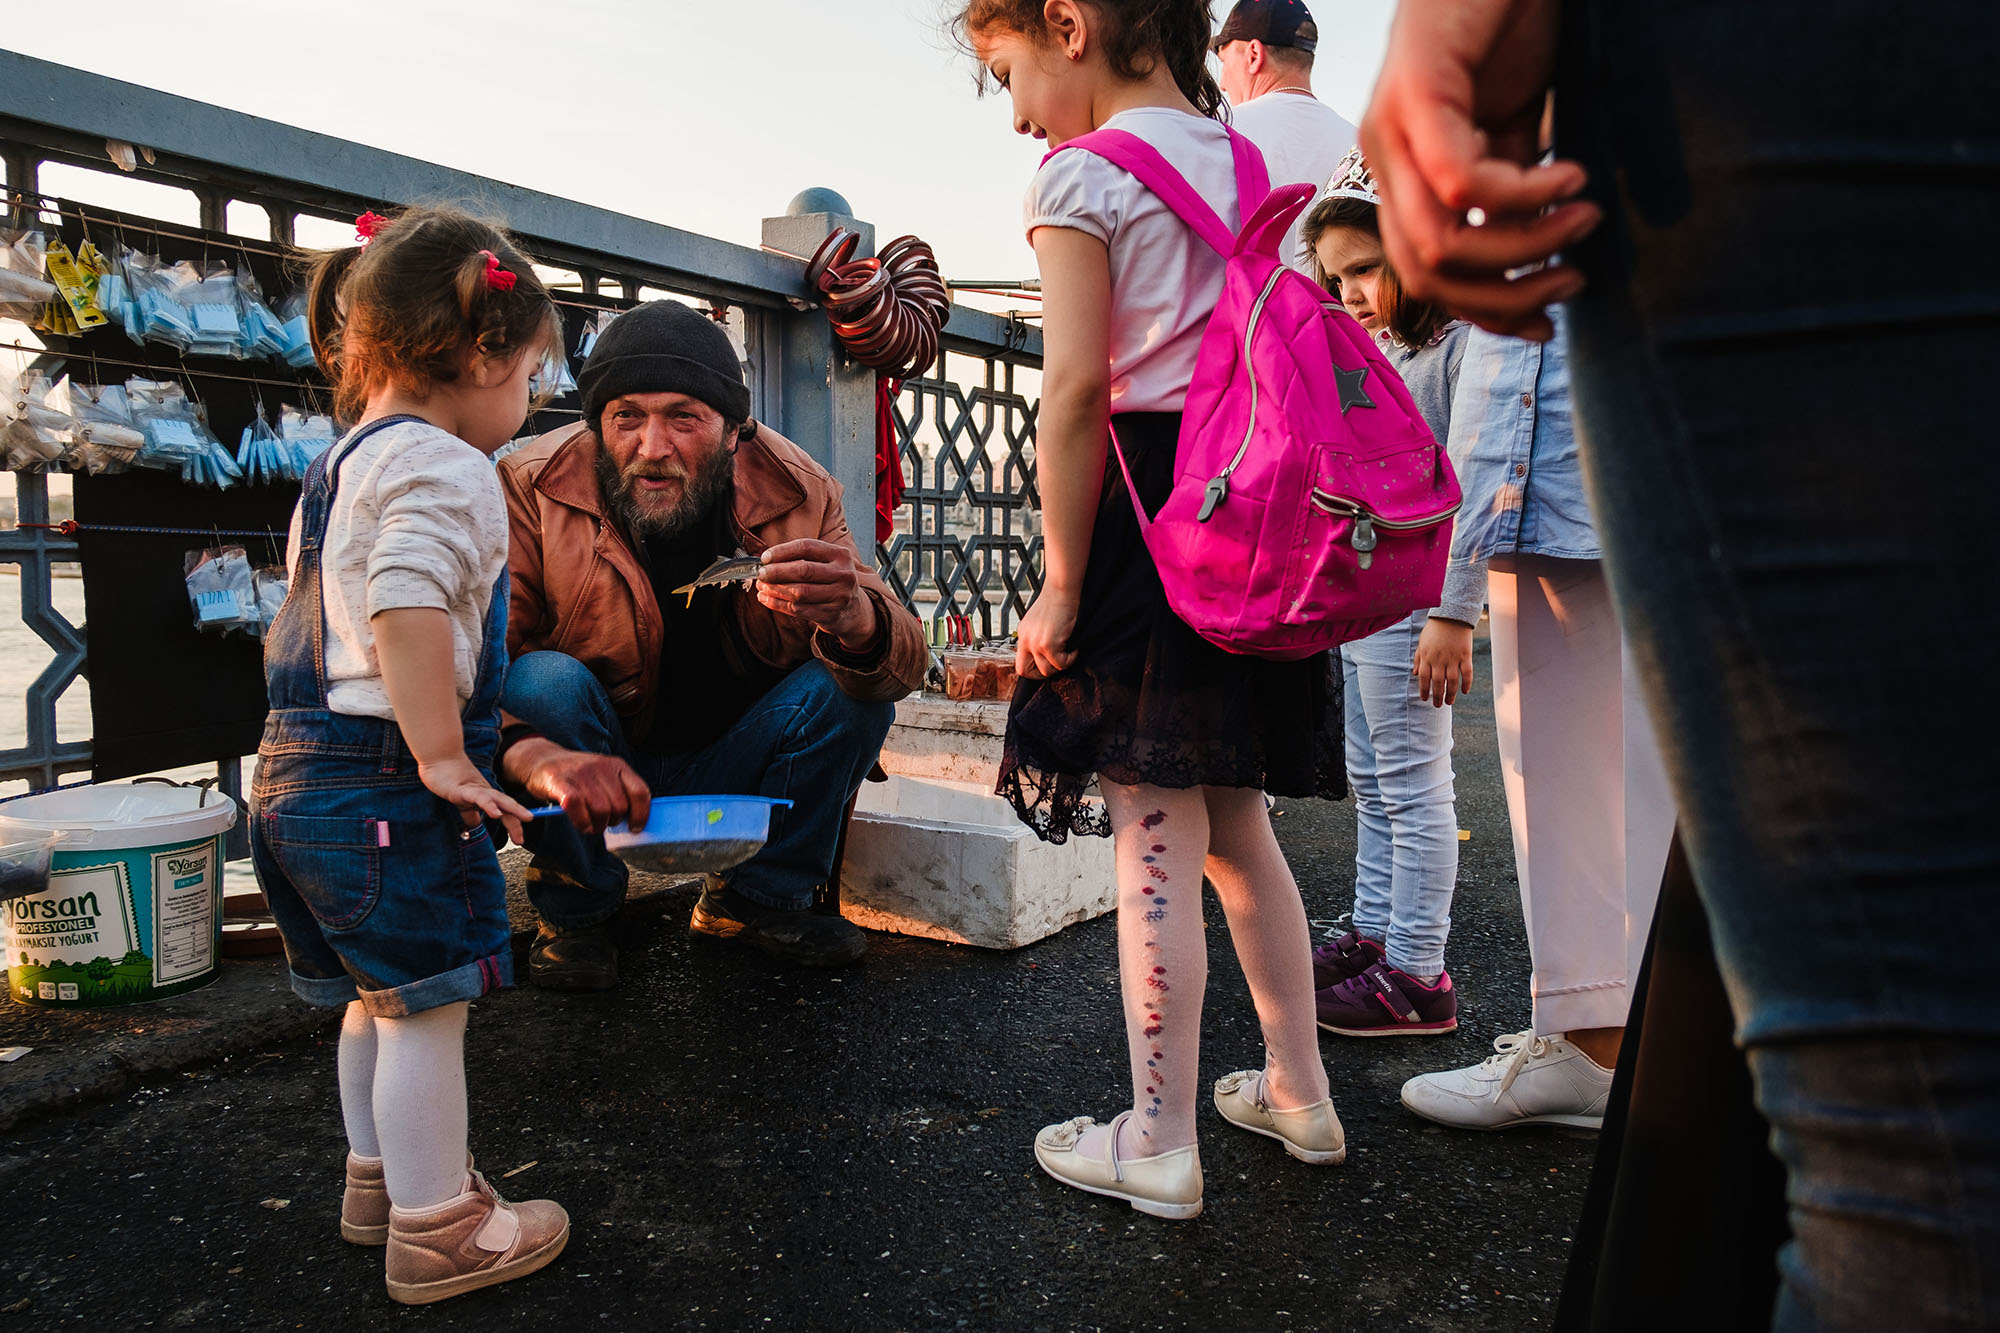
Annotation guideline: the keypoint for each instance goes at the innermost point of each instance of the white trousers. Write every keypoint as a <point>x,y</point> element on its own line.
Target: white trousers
<point>1586,792</point>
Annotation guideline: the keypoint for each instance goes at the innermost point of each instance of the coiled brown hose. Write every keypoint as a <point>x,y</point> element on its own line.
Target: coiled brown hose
<point>887,310</point>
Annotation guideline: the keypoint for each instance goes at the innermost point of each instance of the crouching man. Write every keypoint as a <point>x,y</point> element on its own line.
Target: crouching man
<point>783,686</point>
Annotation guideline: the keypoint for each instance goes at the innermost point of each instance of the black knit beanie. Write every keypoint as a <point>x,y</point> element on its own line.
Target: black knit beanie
<point>664,347</point>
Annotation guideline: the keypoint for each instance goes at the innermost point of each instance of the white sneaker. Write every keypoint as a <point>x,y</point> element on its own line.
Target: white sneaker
<point>1528,1080</point>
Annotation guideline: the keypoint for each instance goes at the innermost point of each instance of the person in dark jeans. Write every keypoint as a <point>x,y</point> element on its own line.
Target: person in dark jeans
<point>622,686</point>
<point>1792,312</point>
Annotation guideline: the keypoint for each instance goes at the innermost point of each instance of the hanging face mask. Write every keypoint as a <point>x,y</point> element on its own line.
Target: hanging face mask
<point>114,292</point>
<point>32,434</point>
<point>57,404</point>
<point>263,333</point>
<point>154,316</point>
<point>222,590</point>
<point>212,465</point>
<point>162,412</point>
<point>269,583</point>
<point>307,435</point>
<point>107,439</point>
<point>298,351</point>
<point>177,435</point>
<point>208,293</point>
<point>263,455</point>
<point>24,290</point>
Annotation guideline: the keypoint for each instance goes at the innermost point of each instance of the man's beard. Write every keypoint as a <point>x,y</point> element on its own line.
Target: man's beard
<point>700,493</point>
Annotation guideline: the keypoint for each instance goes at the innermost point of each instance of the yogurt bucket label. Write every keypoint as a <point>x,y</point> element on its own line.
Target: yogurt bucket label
<point>122,927</point>
<point>184,901</point>
<point>86,914</point>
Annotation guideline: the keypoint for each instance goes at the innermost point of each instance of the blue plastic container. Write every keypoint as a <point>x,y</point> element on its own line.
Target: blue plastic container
<point>692,835</point>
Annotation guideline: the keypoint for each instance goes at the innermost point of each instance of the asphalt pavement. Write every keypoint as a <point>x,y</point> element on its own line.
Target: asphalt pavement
<point>745,1146</point>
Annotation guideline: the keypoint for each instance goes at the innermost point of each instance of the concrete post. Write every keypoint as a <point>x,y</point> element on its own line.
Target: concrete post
<point>825,401</point>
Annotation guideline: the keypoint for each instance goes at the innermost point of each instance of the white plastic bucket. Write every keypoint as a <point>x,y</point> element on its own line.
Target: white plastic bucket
<point>133,911</point>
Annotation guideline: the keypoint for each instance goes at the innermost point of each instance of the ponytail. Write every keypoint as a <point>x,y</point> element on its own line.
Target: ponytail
<point>1180,34</point>
<point>429,283</point>
<point>325,273</point>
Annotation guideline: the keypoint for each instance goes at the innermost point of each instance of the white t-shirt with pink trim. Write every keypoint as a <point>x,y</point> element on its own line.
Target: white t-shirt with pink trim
<point>1165,280</point>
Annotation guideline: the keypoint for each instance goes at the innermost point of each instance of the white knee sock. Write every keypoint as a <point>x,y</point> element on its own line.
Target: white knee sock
<point>420,1105</point>
<point>357,1080</point>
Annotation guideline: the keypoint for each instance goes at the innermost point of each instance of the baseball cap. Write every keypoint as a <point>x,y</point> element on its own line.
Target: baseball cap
<point>1272,22</point>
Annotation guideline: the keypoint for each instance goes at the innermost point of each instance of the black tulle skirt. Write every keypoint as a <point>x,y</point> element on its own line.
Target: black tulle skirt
<point>1150,701</point>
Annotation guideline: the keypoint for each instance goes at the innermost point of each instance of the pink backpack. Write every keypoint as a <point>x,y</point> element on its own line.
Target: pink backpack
<point>1310,505</point>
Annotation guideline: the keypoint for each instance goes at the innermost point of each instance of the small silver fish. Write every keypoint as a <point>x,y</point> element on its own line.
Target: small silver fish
<point>727,569</point>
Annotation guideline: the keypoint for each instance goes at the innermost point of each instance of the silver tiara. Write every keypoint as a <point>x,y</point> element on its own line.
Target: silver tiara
<point>1351,180</point>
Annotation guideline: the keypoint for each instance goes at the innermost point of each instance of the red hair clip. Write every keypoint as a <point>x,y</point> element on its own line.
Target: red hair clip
<point>368,226</point>
<point>499,279</point>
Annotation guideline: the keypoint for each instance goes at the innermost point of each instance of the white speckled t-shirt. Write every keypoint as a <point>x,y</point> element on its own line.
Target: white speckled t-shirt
<point>417,520</point>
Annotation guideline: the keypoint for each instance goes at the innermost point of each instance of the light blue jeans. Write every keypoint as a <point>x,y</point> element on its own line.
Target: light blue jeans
<point>1406,835</point>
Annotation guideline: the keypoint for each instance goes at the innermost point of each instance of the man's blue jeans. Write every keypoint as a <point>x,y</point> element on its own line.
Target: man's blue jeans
<point>1793,466</point>
<point>805,741</point>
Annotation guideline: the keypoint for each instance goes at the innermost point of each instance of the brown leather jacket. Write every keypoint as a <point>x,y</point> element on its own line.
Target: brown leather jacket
<point>579,587</point>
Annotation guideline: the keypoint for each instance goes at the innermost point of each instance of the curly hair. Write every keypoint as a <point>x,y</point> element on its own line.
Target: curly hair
<point>403,308</point>
<point>1137,36</point>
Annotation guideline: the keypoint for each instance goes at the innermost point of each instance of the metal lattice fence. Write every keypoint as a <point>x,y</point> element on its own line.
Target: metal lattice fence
<point>45,756</point>
<point>968,537</point>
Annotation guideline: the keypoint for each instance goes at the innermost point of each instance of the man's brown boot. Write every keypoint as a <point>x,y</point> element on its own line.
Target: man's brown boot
<point>584,958</point>
<point>473,1241</point>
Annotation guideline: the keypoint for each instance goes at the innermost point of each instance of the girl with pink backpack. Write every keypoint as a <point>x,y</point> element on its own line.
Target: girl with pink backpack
<point>1182,737</point>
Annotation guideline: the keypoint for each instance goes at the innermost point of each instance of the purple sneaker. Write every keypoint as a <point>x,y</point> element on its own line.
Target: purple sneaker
<point>1349,956</point>
<point>1386,1002</point>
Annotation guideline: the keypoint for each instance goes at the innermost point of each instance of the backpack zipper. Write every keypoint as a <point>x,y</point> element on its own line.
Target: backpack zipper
<point>1363,539</point>
<point>1218,486</point>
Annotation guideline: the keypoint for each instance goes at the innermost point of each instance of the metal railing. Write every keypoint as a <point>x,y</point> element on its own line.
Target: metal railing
<point>46,756</point>
<point>966,536</point>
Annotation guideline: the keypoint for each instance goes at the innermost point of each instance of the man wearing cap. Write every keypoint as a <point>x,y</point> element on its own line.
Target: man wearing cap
<point>782,686</point>
<point>1266,50</point>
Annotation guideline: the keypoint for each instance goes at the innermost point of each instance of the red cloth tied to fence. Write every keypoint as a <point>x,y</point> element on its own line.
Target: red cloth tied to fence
<point>888,458</point>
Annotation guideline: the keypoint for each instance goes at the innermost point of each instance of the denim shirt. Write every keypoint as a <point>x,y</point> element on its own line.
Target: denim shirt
<point>1515,452</point>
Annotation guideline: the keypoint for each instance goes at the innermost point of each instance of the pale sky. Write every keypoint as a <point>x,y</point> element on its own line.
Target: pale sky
<point>704,116</point>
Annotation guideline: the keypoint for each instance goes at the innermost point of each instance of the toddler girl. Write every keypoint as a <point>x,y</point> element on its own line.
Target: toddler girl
<point>1386,976</point>
<point>1182,737</point>
<point>384,669</point>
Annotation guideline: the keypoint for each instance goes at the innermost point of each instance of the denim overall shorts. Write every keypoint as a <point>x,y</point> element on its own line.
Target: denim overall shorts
<point>381,892</point>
